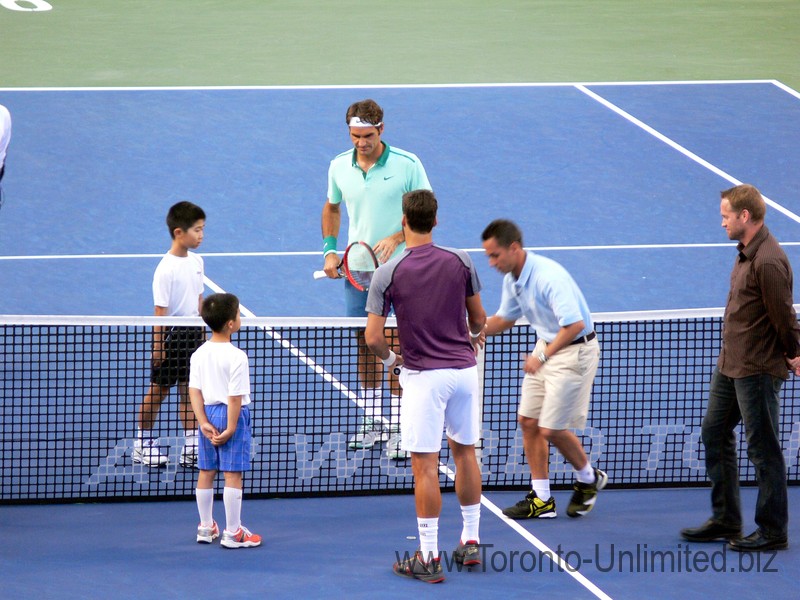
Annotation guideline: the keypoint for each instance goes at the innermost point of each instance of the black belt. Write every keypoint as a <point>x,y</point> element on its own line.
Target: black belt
<point>584,338</point>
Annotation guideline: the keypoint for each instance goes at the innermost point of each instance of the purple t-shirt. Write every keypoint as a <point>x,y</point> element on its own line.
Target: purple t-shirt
<point>427,286</point>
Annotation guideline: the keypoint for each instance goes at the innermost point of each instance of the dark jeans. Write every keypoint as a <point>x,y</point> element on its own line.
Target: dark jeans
<point>755,401</point>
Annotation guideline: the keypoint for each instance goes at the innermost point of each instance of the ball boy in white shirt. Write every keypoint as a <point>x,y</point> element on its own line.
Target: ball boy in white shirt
<point>219,389</point>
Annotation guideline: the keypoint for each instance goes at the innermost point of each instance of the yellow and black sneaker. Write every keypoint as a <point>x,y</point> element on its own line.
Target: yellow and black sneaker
<point>585,494</point>
<point>532,507</point>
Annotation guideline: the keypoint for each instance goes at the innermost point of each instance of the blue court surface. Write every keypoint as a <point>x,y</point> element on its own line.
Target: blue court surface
<point>620,183</point>
<point>627,548</point>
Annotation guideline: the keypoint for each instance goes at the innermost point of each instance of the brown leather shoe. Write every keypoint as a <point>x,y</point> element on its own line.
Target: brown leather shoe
<point>757,541</point>
<point>712,531</point>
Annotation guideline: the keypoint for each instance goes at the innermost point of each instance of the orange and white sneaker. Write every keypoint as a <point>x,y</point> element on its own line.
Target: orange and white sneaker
<point>206,535</point>
<point>240,539</point>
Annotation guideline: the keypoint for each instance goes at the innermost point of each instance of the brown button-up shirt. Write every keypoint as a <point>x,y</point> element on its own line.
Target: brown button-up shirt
<point>760,328</point>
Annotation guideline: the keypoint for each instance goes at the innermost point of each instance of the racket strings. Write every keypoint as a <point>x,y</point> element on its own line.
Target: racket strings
<point>360,265</point>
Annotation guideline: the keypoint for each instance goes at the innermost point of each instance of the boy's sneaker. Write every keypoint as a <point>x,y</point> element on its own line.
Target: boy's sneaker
<point>393,449</point>
<point>148,453</point>
<point>189,457</point>
<point>468,554</point>
<point>206,535</point>
<point>585,494</point>
<point>416,568</point>
<point>369,433</point>
<point>532,507</point>
<point>241,539</point>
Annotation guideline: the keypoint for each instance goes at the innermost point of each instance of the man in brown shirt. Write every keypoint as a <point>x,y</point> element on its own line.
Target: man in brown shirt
<point>760,338</point>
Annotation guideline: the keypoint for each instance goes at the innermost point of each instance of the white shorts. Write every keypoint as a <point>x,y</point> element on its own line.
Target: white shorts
<point>437,400</point>
<point>558,394</point>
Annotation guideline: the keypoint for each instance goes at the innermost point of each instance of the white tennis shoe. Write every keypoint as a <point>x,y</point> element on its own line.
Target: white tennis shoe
<point>370,432</point>
<point>148,453</point>
<point>206,535</point>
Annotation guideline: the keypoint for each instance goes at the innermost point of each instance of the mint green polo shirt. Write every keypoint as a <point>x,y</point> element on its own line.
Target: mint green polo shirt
<point>374,199</point>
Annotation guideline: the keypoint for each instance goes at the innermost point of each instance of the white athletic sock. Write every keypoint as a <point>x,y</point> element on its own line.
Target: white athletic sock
<point>205,506</point>
<point>542,488</point>
<point>394,406</point>
<point>372,402</point>
<point>233,508</point>
<point>586,474</point>
<point>471,516</point>
<point>428,538</point>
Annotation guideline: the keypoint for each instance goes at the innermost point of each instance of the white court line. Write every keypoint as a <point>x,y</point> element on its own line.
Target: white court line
<point>389,86</point>
<point>317,252</point>
<point>541,546</point>
<point>675,145</point>
<point>786,89</point>
<point>299,354</point>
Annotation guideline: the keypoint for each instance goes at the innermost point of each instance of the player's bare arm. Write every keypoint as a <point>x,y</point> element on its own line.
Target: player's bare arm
<point>495,325</point>
<point>375,337</point>
<point>563,339</point>
<point>198,407</point>
<point>331,222</point>
<point>386,247</point>
<point>234,410</point>
<point>158,337</point>
<point>476,318</point>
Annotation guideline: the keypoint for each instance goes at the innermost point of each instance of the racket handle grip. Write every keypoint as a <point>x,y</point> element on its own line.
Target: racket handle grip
<point>319,275</point>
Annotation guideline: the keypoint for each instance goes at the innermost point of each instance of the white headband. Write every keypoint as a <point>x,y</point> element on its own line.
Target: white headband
<point>357,122</point>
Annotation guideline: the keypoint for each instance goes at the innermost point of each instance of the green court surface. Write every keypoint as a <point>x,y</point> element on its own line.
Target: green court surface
<point>248,42</point>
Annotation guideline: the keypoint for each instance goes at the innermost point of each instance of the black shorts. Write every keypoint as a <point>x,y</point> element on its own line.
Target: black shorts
<point>179,345</point>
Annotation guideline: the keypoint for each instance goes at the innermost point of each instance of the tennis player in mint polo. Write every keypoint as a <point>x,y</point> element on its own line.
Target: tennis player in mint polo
<point>370,179</point>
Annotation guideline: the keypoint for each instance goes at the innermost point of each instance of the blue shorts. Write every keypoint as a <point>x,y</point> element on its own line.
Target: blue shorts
<point>233,455</point>
<point>355,302</point>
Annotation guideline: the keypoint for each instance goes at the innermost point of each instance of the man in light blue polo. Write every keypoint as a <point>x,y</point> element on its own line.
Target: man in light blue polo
<point>559,372</point>
<point>370,179</point>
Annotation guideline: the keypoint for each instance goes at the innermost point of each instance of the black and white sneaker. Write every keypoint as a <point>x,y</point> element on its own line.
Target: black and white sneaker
<point>585,494</point>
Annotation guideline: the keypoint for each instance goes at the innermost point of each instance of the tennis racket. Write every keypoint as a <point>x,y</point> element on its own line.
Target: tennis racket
<point>358,265</point>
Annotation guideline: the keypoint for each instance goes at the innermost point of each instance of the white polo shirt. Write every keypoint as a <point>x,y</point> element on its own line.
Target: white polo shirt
<point>220,370</point>
<point>178,284</point>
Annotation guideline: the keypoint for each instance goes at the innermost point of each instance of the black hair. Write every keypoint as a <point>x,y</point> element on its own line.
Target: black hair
<point>419,208</point>
<point>183,215</point>
<point>504,231</point>
<point>218,309</point>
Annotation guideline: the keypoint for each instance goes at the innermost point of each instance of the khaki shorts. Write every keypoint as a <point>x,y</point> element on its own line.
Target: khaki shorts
<point>558,394</point>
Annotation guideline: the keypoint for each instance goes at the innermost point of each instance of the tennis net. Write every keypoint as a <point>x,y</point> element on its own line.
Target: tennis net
<point>72,386</point>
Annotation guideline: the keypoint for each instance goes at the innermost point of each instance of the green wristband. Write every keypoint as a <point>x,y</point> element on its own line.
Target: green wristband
<point>328,245</point>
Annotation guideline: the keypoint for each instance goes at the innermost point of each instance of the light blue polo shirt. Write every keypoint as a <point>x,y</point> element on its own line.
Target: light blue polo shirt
<point>374,199</point>
<point>546,295</point>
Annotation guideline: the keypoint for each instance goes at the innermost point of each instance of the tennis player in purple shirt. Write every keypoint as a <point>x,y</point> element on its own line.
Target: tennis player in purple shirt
<point>435,295</point>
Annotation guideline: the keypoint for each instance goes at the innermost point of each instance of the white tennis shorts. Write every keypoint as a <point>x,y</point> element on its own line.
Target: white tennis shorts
<point>437,400</point>
<point>558,394</point>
